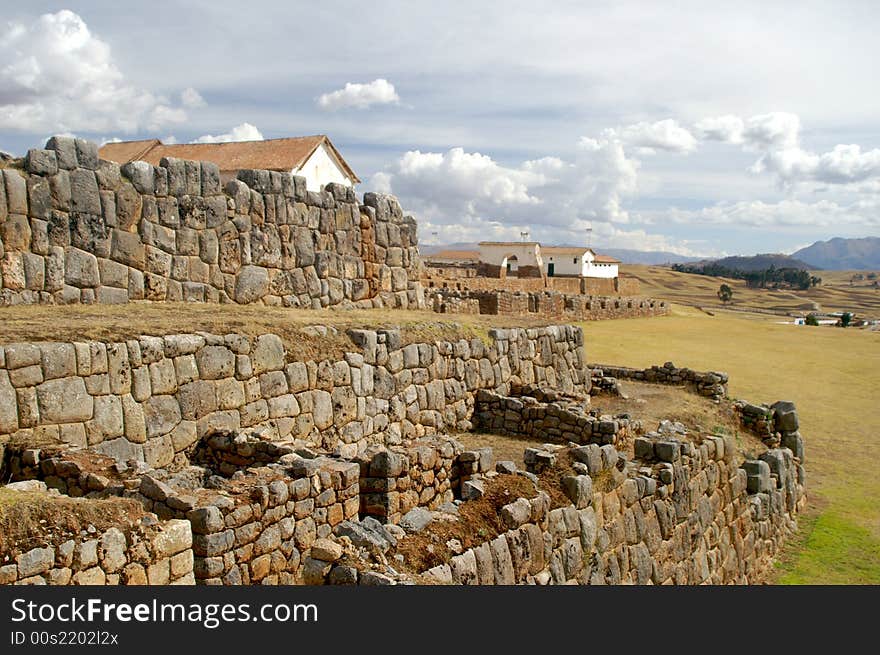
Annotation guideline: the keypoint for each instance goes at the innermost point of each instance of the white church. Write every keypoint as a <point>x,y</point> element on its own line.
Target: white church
<point>531,259</point>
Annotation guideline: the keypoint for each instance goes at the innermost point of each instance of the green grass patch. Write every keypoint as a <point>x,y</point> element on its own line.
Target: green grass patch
<point>835,551</point>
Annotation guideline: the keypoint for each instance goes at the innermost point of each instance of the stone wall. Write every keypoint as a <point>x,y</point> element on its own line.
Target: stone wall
<point>74,228</point>
<point>551,304</point>
<point>465,278</point>
<point>552,418</point>
<point>148,552</point>
<point>422,474</point>
<point>712,384</point>
<point>259,534</point>
<point>154,398</point>
<point>678,513</point>
<point>679,510</point>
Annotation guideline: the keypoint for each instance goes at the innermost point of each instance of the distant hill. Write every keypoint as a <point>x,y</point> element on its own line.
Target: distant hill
<point>761,262</point>
<point>625,255</point>
<point>843,254</point>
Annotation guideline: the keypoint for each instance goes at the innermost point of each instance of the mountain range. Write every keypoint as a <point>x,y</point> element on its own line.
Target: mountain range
<point>842,254</point>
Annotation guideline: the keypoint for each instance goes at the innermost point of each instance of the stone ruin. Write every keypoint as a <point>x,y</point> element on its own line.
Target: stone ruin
<point>331,483</point>
<point>77,229</point>
<point>249,466</point>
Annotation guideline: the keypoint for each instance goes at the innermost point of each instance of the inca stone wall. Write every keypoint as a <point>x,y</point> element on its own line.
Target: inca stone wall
<point>74,229</point>
<point>679,513</point>
<point>679,510</point>
<point>712,384</point>
<point>148,552</point>
<point>543,415</point>
<point>551,304</point>
<point>152,399</point>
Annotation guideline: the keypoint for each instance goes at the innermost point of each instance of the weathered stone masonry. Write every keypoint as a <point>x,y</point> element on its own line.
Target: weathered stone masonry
<point>155,553</point>
<point>74,228</point>
<point>153,398</point>
<point>679,513</point>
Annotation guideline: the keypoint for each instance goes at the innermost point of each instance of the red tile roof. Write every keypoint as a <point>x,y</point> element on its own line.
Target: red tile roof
<point>270,154</point>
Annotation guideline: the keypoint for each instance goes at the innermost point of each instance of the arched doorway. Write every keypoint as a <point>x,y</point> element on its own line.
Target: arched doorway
<point>510,266</point>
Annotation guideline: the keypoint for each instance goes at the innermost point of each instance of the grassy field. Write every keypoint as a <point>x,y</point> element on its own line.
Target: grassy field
<point>834,294</point>
<point>831,374</point>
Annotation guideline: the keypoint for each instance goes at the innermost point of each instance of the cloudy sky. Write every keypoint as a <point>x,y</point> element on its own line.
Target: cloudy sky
<point>699,131</point>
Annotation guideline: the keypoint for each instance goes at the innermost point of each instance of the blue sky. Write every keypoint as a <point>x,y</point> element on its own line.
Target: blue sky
<point>699,130</point>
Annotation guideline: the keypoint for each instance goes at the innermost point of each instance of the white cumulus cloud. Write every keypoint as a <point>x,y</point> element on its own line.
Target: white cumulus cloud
<point>727,128</point>
<point>774,130</point>
<point>793,213</point>
<point>459,193</point>
<point>56,76</point>
<point>360,96</point>
<point>243,132</point>
<point>191,98</point>
<point>665,135</point>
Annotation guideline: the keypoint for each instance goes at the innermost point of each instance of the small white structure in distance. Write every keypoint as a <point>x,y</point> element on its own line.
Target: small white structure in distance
<point>577,262</point>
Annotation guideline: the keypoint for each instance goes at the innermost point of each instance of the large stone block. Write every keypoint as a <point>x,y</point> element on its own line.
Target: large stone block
<point>81,269</point>
<point>268,354</point>
<point>215,362</point>
<point>65,151</point>
<point>16,233</point>
<point>41,162</point>
<point>158,451</point>
<point>8,405</point>
<point>64,401</point>
<point>162,414</point>
<point>121,449</point>
<point>16,192</point>
<point>85,197</point>
<point>251,284</point>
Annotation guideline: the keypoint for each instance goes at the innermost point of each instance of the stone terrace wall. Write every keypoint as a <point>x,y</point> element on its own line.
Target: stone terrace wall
<point>423,474</point>
<point>74,228</point>
<point>555,421</point>
<point>464,278</point>
<point>157,554</point>
<point>551,304</point>
<point>154,398</point>
<point>712,384</point>
<point>679,513</point>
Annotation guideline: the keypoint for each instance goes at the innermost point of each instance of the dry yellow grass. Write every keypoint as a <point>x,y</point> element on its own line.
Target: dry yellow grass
<point>834,294</point>
<point>119,322</point>
<point>831,373</point>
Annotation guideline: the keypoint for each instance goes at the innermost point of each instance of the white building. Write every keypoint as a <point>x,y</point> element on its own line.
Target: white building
<point>313,157</point>
<point>577,262</point>
<point>551,261</point>
<point>510,258</point>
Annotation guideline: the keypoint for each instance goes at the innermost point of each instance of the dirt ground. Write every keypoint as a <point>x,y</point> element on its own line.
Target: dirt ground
<point>32,519</point>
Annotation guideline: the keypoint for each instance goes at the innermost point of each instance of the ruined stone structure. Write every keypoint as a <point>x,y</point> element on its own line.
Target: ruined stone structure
<point>712,384</point>
<point>154,397</point>
<point>550,304</point>
<point>466,278</point>
<point>246,506</point>
<point>677,514</point>
<point>148,552</point>
<point>249,465</point>
<point>74,228</point>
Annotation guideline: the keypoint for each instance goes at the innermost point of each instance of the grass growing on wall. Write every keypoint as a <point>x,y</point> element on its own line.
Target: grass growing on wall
<point>831,374</point>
